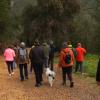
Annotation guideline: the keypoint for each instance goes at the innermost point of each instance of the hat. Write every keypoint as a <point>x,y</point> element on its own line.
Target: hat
<point>70,46</point>
<point>22,44</point>
<point>36,42</point>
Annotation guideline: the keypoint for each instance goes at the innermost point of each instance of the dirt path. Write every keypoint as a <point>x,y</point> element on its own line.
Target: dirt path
<point>12,89</point>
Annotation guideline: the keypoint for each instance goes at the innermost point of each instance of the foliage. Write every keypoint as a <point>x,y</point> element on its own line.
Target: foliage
<point>4,18</point>
<point>87,25</point>
<point>48,20</point>
<point>90,64</point>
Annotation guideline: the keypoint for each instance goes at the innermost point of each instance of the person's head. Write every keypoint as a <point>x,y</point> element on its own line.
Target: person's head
<point>51,42</point>
<point>44,44</point>
<point>36,42</point>
<point>15,44</point>
<point>22,45</point>
<point>10,46</point>
<point>79,44</point>
<point>64,45</point>
<point>69,42</point>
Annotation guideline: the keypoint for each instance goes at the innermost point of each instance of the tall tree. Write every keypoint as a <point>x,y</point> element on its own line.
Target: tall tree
<point>50,19</point>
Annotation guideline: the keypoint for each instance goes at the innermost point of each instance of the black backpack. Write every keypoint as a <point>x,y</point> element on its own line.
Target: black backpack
<point>67,58</point>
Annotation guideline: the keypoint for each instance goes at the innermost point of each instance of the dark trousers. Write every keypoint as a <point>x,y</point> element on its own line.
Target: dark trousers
<point>68,71</point>
<point>79,66</point>
<point>23,71</point>
<point>10,66</point>
<point>38,70</point>
<point>51,62</point>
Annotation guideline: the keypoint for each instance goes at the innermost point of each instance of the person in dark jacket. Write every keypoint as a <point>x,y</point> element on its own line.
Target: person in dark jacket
<point>98,73</point>
<point>37,56</point>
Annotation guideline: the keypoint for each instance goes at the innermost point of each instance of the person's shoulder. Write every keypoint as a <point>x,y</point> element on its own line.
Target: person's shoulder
<point>64,50</point>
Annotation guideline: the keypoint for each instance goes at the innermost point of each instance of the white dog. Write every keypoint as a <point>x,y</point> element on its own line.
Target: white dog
<point>50,75</point>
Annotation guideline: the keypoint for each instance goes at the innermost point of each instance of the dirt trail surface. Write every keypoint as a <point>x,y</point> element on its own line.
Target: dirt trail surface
<point>12,89</point>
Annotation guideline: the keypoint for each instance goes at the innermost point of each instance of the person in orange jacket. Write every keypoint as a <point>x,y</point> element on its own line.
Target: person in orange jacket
<point>66,63</point>
<point>80,57</point>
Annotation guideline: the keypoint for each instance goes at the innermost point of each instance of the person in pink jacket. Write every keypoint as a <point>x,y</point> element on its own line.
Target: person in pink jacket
<point>9,55</point>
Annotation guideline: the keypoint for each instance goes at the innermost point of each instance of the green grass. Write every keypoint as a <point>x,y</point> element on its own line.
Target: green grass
<point>90,64</point>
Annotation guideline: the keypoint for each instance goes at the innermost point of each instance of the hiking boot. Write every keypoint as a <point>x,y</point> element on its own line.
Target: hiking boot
<point>26,78</point>
<point>21,79</point>
<point>71,84</point>
<point>64,83</point>
<point>37,85</point>
<point>41,84</point>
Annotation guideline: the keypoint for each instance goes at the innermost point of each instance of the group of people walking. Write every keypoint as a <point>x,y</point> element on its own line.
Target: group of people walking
<point>67,55</point>
<point>39,55</point>
<point>42,56</point>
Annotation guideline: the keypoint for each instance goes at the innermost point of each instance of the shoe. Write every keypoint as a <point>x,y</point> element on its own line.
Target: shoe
<point>37,85</point>
<point>26,78</point>
<point>22,80</point>
<point>12,73</point>
<point>40,84</point>
<point>72,84</point>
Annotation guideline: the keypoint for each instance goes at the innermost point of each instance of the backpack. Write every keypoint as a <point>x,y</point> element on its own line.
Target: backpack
<point>67,57</point>
<point>22,54</point>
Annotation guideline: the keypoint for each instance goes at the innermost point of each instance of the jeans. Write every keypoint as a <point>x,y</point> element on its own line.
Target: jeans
<point>79,66</point>
<point>23,71</point>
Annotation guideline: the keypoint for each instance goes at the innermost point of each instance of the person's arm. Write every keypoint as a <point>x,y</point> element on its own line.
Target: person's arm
<point>84,51</point>
<point>30,54</point>
<point>73,58</point>
<point>4,53</point>
<point>27,55</point>
<point>14,53</point>
<point>60,59</point>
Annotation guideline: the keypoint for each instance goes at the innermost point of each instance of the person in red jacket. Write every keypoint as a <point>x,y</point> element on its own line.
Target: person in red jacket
<point>66,63</point>
<point>80,57</point>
